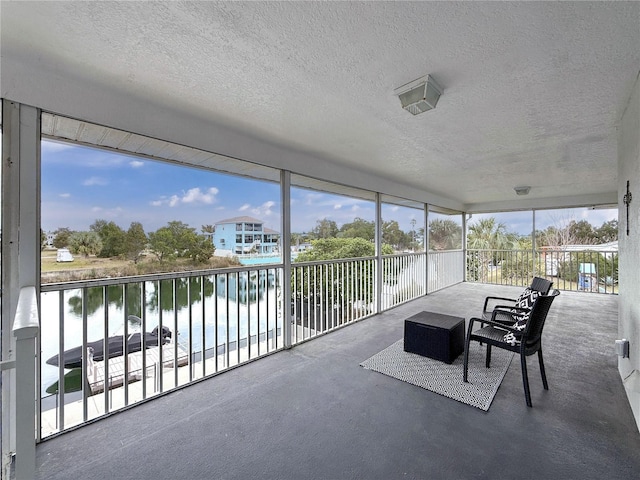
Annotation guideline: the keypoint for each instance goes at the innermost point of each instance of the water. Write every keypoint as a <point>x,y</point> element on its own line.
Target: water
<point>259,260</point>
<point>248,305</point>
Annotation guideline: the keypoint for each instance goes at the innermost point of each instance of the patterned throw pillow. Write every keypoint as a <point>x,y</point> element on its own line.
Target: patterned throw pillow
<point>526,300</point>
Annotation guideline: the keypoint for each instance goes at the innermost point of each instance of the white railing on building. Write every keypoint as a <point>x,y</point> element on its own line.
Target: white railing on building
<point>326,295</point>
<point>446,268</point>
<point>403,278</point>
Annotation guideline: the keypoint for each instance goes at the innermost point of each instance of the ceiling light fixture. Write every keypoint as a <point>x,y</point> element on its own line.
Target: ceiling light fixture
<point>419,96</point>
<point>522,190</point>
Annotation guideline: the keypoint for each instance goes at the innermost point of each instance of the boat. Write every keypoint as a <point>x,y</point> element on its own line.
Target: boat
<point>72,358</point>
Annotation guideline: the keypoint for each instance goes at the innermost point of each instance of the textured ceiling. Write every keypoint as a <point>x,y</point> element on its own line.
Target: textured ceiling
<point>532,90</point>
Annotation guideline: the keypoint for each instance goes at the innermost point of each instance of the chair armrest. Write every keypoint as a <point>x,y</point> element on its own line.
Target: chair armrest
<point>486,301</point>
<point>504,315</point>
<point>493,323</point>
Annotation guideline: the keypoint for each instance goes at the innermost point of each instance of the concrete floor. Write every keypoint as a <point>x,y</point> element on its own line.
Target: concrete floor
<point>313,413</point>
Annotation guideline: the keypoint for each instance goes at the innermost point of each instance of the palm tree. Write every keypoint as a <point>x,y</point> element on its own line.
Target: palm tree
<point>85,243</point>
<point>444,235</point>
<point>488,236</point>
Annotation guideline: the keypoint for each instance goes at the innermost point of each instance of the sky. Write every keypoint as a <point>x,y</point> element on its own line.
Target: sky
<point>81,185</point>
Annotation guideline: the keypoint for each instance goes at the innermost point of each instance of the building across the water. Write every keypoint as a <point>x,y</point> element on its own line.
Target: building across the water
<point>245,235</point>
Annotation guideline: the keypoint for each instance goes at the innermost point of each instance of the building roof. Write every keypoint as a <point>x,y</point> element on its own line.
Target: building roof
<point>247,219</point>
<point>242,219</point>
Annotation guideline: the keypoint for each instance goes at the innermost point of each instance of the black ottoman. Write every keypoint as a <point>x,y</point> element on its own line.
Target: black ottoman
<point>434,335</point>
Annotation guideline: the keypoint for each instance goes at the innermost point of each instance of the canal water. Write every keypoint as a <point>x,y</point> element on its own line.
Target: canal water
<point>221,309</point>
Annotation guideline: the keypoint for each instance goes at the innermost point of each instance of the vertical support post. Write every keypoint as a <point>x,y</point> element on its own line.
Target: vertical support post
<point>378,242</point>
<point>20,268</point>
<point>464,246</point>
<point>25,329</point>
<point>426,247</point>
<point>533,242</point>
<point>285,243</point>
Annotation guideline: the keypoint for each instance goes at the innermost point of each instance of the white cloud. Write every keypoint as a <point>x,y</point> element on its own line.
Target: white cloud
<point>136,163</point>
<point>193,196</point>
<point>91,181</point>
<point>244,207</point>
<point>337,206</point>
<point>264,210</point>
<point>65,195</point>
<point>108,213</point>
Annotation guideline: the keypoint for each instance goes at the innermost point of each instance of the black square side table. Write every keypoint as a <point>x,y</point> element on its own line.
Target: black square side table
<point>434,335</point>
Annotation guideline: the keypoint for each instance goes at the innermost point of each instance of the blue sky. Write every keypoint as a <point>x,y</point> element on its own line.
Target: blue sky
<point>81,185</point>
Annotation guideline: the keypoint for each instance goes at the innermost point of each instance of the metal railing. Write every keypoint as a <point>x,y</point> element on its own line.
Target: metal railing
<point>329,294</point>
<point>574,270</point>
<point>163,331</point>
<point>403,278</point>
<point>446,268</point>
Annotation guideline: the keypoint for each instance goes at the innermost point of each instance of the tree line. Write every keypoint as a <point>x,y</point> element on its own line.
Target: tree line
<point>178,240</point>
<point>107,240</point>
<point>364,229</point>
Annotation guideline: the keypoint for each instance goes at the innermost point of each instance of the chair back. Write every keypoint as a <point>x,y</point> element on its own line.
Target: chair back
<point>541,285</point>
<point>537,318</point>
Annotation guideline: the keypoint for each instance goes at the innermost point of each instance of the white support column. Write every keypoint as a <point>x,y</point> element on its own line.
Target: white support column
<point>20,262</point>
<point>425,239</point>
<point>464,246</point>
<point>378,243</point>
<point>285,244</point>
<point>25,330</point>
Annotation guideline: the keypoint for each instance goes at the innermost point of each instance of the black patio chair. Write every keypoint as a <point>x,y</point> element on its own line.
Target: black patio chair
<point>539,285</point>
<point>523,337</point>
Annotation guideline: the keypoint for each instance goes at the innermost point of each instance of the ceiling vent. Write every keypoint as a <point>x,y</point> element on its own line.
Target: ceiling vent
<point>419,96</point>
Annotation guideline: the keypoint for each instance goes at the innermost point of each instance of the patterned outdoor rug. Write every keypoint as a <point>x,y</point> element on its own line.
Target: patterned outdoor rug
<point>446,379</point>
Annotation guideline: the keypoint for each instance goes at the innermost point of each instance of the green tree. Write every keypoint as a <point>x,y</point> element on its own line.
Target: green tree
<point>330,288</point>
<point>359,228</point>
<point>337,248</point>
<point>582,232</point>
<point>444,235</point>
<point>488,234</point>
<point>85,243</point>
<point>112,237</point>
<point>200,248</point>
<point>43,240</point>
<point>487,237</point>
<point>61,237</point>
<point>608,232</point>
<point>325,228</point>
<point>135,241</point>
<point>392,235</point>
<point>178,240</point>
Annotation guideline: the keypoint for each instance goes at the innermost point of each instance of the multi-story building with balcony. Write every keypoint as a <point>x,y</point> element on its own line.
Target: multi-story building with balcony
<point>244,235</point>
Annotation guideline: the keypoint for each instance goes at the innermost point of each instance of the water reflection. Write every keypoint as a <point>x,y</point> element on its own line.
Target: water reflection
<point>204,311</point>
